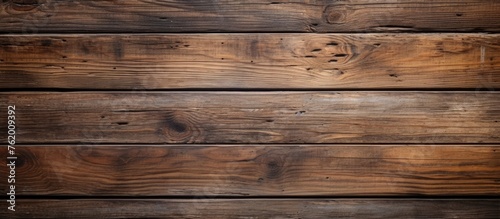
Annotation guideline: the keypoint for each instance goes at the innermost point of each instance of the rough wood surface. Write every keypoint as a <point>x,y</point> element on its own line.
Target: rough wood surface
<point>248,61</point>
<point>252,109</point>
<point>33,16</point>
<point>255,117</point>
<point>257,208</point>
<point>256,170</point>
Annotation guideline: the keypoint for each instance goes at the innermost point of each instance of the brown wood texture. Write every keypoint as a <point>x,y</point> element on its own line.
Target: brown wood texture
<point>249,61</point>
<point>33,16</point>
<point>251,109</point>
<point>255,117</point>
<point>257,208</point>
<point>256,170</point>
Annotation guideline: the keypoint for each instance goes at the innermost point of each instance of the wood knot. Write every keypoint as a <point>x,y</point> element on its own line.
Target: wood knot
<point>23,5</point>
<point>335,14</point>
<point>274,169</point>
<point>177,128</point>
<point>20,162</point>
<point>27,160</point>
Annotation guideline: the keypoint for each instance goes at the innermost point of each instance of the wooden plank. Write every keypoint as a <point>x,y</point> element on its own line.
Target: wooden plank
<point>254,117</point>
<point>256,170</point>
<point>249,61</point>
<point>249,16</point>
<point>256,208</point>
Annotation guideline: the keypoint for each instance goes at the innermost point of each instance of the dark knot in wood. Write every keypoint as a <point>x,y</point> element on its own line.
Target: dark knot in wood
<point>177,128</point>
<point>335,14</point>
<point>274,168</point>
<point>24,5</point>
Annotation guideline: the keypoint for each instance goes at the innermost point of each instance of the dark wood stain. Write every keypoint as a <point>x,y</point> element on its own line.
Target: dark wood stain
<point>85,49</point>
<point>46,42</point>
<point>175,125</point>
<point>118,49</point>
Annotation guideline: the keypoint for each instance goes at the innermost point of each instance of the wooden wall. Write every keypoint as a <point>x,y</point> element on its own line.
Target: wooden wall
<point>252,109</point>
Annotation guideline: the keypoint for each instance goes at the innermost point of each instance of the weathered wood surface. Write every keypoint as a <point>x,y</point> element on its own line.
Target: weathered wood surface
<point>256,170</point>
<point>34,16</point>
<point>148,154</point>
<point>257,208</point>
<point>249,61</point>
<point>255,117</point>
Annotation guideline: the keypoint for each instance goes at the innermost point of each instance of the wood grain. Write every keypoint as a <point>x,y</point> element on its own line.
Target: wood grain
<point>252,109</point>
<point>251,61</point>
<point>257,208</point>
<point>255,117</point>
<point>63,16</point>
<point>256,170</point>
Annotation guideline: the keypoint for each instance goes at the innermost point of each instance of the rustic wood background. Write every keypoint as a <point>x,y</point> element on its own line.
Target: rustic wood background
<point>252,109</point>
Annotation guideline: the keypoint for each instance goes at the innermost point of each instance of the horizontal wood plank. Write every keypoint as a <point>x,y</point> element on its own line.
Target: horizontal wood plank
<point>254,117</point>
<point>251,61</point>
<point>256,170</point>
<point>249,16</point>
<point>256,208</point>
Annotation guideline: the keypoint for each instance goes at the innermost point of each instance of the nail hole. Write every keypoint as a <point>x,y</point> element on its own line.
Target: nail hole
<point>302,112</point>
